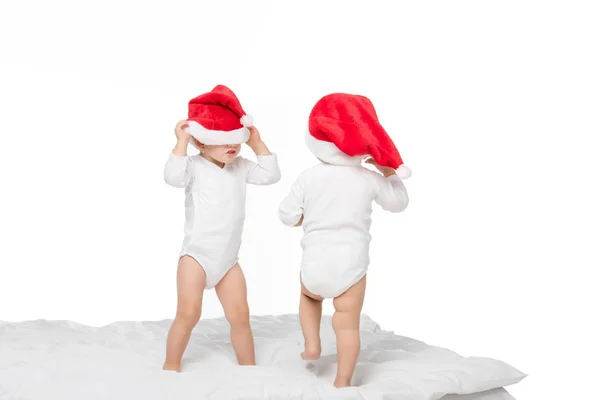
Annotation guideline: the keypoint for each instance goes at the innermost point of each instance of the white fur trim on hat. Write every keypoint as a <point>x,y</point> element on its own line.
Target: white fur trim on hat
<point>329,152</point>
<point>213,137</point>
<point>247,120</point>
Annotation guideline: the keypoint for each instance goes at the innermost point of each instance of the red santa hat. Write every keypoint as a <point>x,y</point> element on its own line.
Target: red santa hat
<point>344,128</point>
<point>217,117</point>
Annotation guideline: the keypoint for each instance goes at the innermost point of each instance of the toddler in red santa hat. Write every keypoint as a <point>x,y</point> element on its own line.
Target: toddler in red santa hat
<point>332,201</point>
<point>215,194</point>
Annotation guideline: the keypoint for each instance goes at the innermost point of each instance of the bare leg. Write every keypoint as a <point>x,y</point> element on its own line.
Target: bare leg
<point>346,324</point>
<point>311,309</point>
<point>231,291</point>
<point>191,280</point>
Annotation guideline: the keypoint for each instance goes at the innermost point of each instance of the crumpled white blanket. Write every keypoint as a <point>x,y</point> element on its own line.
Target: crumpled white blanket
<point>65,360</point>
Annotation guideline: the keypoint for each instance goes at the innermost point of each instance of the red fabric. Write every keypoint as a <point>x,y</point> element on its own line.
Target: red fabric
<point>350,122</point>
<point>218,109</point>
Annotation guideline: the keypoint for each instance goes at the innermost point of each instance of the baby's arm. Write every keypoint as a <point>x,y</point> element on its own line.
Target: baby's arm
<point>291,209</point>
<point>391,193</point>
<point>178,170</point>
<point>266,171</point>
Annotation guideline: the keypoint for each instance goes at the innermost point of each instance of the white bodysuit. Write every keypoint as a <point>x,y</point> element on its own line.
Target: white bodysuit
<point>336,202</point>
<point>215,206</point>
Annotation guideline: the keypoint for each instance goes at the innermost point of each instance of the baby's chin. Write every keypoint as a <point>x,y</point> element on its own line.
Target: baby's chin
<point>228,158</point>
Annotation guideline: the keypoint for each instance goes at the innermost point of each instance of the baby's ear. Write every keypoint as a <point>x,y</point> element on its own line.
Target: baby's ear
<point>198,144</point>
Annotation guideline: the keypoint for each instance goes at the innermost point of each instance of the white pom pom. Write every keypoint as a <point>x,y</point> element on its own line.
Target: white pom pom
<point>247,120</point>
<point>403,172</point>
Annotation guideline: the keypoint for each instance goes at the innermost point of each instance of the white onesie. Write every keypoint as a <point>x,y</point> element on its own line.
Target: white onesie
<point>336,201</point>
<point>215,206</point>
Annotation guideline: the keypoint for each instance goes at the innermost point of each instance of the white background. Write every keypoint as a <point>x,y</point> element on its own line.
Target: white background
<point>494,105</point>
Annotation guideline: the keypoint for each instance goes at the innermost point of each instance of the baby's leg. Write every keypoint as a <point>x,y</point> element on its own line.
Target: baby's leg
<point>346,324</point>
<point>311,308</point>
<point>231,291</point>
<point>191,280</point>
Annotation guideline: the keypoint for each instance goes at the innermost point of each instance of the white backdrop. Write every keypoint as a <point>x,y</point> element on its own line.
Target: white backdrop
<point>494,105</point>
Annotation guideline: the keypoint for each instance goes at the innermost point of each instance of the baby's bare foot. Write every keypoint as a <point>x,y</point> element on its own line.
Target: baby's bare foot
<point>311,352</point>
<point>172,367</point>
<point>341,382</point>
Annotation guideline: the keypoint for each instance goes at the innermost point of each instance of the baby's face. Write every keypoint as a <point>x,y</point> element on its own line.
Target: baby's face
<point>223,153</point>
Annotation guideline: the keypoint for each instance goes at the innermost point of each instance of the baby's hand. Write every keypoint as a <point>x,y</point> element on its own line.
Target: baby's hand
<point>181,134</point>
<point>255,138</point>
<point>386,171</point>
<point>256,144</point>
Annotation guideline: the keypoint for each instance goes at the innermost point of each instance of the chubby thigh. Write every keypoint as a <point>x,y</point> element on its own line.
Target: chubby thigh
<point>328,270</point>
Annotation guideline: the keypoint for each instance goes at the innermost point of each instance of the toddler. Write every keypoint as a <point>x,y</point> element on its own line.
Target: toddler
<point>332,201</point>
<point>215,194</point>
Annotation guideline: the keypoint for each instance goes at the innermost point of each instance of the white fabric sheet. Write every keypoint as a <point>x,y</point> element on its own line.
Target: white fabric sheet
<point>67,361</point>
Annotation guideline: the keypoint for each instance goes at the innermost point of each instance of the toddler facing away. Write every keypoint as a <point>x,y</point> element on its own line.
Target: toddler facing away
<point>332,201</point>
